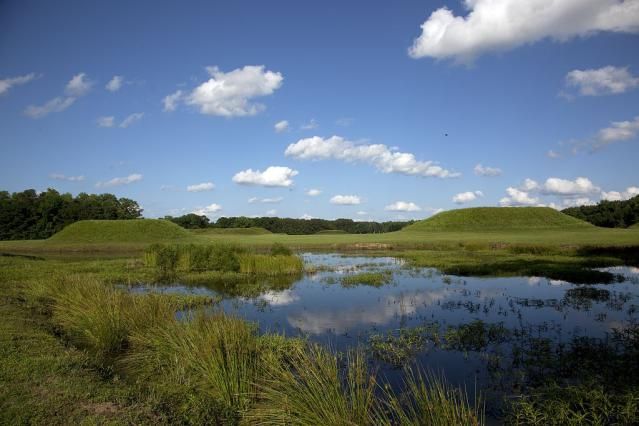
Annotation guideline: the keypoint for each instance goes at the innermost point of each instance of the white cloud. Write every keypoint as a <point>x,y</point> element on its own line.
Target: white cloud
<point>310,125</point>
<point>517,197</point>
<point>271,212</point>
<point>132,118</point>
<point>230,94</point>
<point>497,25</point>
<point>618,131</point>
<point>106,121</point>
<point>402,206</point>
<point>170,101</point>
<point>346,200</point>
<point>58,104</point>
<point>313,192</point>
<point>78,86</point>
<point>380,156</point>
<point>7,83</point>
<point>576,202</point>
<point>630,192</point>
<point>361,213</point>
<point>564,187</point>
<point>273,200</point>
<point>115,83</point>
<point>281,126</point>
<point>60,176</point>
<point>201,187</point>
<point>486,171</point>
<point>208,210</point>
<point>468,196</point>
<point>552,154</point>
<point>118,181</point>
<point>529,185</point>
<point>307,216</point>
<point>272,176</point>
<point>603,81</point>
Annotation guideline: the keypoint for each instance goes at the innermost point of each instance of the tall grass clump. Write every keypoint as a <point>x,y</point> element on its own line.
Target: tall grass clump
<point>262,264</point>
<point>428,400</point>
<point>312,389</point>
<point>209,366</point>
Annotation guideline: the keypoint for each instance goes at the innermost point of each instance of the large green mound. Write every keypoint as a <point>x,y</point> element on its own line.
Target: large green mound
<point>498,218</point>
<point>330,232</point>
<point>232,231</point>
<point>121,231</point>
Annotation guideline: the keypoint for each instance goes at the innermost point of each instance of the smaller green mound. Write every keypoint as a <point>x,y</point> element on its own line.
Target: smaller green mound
<point>231,231</point>
<point>497,219</point>
<point>121,231</point>
<point>330,232</point>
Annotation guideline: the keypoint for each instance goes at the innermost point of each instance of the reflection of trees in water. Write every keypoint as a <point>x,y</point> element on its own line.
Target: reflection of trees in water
<point>251,287</point>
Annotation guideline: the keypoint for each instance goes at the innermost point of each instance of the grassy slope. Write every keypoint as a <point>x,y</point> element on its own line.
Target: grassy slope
<point>499,219</point>
<point>106,231</point>
<point>231,231</point>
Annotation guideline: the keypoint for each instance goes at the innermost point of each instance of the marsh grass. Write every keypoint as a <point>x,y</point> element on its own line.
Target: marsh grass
<point>374,279</point>
<point>261,264</point>
<point>428,400</point>
<point>312,389</point>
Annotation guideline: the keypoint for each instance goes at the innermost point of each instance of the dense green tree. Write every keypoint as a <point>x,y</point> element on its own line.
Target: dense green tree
<point>190,221</point>
<point>609,214</point>
<point>32,215</point>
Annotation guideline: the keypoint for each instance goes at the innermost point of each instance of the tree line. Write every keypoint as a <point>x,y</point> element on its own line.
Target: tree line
<point>289,225</point>
<point>609,214</point>
<point>32,215</point>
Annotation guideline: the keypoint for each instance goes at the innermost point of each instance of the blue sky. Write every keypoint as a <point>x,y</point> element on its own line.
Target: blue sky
<point>390,106</point>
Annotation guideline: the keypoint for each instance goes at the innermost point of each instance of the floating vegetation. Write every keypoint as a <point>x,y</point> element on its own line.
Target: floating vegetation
<point>375,279</point>
<point>399,346</point>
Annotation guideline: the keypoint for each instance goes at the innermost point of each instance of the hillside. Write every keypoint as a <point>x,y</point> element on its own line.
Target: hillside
<point>498,218</point>
<point>129,231</point>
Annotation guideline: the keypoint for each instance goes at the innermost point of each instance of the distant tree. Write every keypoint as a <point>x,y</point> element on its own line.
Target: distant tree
<point>609,214</point>
<point>190,221</point>
<point>29,215</point>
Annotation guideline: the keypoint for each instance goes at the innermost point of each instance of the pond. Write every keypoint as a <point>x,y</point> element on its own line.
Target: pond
<point>496,334</point>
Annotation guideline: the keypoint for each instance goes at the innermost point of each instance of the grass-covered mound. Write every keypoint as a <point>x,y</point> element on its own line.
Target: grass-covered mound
<point>232,231</point>
<point>498,218</point>
<point>121,231</point>
<point>330,232</point>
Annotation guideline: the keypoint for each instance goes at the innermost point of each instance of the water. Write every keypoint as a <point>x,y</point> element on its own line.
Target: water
<point>319,307</point>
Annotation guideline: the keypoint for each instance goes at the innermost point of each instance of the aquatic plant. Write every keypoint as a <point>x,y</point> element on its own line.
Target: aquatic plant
<point>375,279</point>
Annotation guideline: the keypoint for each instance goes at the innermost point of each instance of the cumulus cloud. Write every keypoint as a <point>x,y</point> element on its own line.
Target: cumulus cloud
<point>229,94</point>
<point>313,192</point>
<point>208,210</point>
<point>576,202</point>
<point>630,192</point>
<point>517,197</point>
<point>7,83</point>
<point>402,206</point>
<point>273,200</point>
<point>378,155</point>
<point>106,121</point>
<point>78,86</point>
<point>281,126</point>
<point>602,81</point>
<point>618,131</point>
<point>307,216</point>
<point>466,197</point>
<point>272,176</point>
<point>498,25</point>
<point>132,118</point>
<point>60,176</point>
<point>115,83</point>
<point>564,187</point>
<point>271,212</point>
<point>201,187</point>
<point>552,154</point>
<point>346,200</point>
<point>171,101</point>
<point>486,171</point>
<point>119,181</point>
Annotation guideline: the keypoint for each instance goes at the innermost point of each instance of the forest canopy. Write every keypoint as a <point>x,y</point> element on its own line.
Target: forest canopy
<point>609,214</point>
<point>32,215</point>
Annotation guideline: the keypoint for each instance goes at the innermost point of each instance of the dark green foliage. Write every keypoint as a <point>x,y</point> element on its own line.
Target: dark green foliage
<point>609,214</point>
<point>306,227</point>
<point>29,215</point>
<point>280,249</point>
<point>190,221</point>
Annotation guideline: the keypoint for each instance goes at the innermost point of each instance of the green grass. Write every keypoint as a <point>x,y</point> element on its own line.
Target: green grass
<point>231,231</point>
<point>498,218</point>
<point>331,232</point>
<point>374,279</point>
<point>126,231</point>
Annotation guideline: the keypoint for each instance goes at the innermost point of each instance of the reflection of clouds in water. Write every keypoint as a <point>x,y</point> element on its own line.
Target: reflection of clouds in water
<point>626,271</point>
<point>558,282</point>
<point>534,280</point>
<point>279,298</point>
<point>341,320</point>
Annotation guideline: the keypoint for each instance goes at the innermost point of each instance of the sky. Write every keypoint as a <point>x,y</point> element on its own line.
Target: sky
<point>370,110</point>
